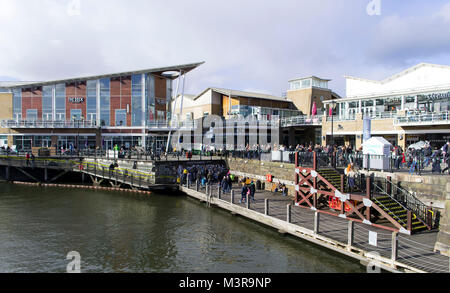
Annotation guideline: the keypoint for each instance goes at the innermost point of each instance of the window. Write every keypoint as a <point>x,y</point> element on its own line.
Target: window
<point>32,114</point>
<point>105,101</point>
<point>75,114</point>
<point>121,117</point>
<point>306,83</point>
<point>136,100</point>
<point>47,102</point>
<point>17,103</point>
<point>91,97</point>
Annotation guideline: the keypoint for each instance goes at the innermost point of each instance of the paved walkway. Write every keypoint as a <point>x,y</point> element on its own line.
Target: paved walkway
<point>414,250</point>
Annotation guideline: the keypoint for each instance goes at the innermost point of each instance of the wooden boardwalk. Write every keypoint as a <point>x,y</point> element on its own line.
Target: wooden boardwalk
<point>413,251</point>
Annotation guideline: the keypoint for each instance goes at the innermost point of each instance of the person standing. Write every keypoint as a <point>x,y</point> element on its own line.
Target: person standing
<point>252,190</point>
<point>27,156</point>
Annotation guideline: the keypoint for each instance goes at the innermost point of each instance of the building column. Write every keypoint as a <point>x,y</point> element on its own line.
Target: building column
<point>143,112</point>
<point>401,142</point>
<point>403,103</point>
<point>415,103</point>
<point>360,107</point>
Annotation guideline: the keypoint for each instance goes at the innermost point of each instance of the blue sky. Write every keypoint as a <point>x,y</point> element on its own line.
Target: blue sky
<point>247,45</point>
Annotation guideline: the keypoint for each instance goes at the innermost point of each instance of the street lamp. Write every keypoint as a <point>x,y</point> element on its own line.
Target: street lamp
<point>333,106</point>
<point>78,132</point>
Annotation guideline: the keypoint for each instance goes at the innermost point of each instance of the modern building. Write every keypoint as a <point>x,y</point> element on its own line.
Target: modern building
<point>127,108</point>
<point>407,107</point>
<point>229,103</point>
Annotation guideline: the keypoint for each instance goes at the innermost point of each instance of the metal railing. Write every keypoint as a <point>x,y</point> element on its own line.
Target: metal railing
<point>301,120</point>
<point>24,123</point>
<point>424,118</point>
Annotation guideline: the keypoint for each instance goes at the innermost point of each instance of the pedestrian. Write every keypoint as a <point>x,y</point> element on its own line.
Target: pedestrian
<point>351,174</point>
<point>27,156</point>
<point>252,189</point>
<point>244,191</point>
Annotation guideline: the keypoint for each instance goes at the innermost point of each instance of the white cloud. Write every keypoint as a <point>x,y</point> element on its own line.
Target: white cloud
<point>248,44</point>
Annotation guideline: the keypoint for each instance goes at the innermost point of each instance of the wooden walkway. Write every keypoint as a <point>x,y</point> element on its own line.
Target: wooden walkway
<point>415,251</point>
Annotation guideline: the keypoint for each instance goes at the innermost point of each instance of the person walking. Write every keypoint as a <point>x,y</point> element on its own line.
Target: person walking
<point>244,191</point>
<point>27,156</point>
<point>351,175</point>
<point>252,188</point>
<point>447,160</point>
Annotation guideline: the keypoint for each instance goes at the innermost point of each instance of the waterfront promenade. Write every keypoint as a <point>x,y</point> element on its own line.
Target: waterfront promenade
<point>393,252</point>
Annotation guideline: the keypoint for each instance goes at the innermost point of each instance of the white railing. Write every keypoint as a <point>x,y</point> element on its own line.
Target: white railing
<point>190,124</point>
<point>424,118</point>
<point>301,120</point>
<point>23,123</point>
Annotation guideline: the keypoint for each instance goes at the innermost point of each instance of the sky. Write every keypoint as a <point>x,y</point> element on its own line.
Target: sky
<point>250,45</point>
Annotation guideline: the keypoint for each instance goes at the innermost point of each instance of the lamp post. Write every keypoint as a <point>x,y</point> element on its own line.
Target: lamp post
<point>333,106</point>
<point>78,132</point>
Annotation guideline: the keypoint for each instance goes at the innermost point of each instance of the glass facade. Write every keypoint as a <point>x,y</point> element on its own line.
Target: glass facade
<point>105,99</point>
<point>47,103</point>
<point>17,104</point>
<point>60,102</point>
<point>136,100</point>
<point>150,97</point>
<point>91,100</point>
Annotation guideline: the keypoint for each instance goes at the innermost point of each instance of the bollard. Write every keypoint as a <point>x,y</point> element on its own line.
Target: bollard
<point>394,252</point>
<point>316,222</point>
<point>247,201</point>
<point>196,185</point>
<point>288,213</point>
<point>206,189</point>
<point>266,207</point>
<point>219,191</point>
<point>232,197</point>
<point>350,233</point>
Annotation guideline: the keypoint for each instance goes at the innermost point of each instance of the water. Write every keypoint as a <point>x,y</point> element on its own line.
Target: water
<point>124,232</point>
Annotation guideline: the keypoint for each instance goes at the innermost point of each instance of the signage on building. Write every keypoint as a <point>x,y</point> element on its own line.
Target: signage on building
<point>76,100</point>
<point>437,96</point>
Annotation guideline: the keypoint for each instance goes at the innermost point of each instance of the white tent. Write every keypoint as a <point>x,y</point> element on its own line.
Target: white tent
<point>376,151</point>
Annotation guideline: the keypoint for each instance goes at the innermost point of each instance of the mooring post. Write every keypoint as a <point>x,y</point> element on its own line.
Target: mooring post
<point>46,175</point>
<point>232,197</point>
<point>288,213</point>
<point>187,181</point>
<point>316,222</point>
<point>247,201</point>
<point>266,206</point>
<point>409,221</point>
<point>394,253</point>
<point>219,191</point>
<point>206,189</point>
<point>196,185</point>
<point>351,227</point>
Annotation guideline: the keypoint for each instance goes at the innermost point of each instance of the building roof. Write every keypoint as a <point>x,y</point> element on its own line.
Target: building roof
<point>404,72</point>
<point>184,68</point>
<point>237,93</point>
<point>300,78</point>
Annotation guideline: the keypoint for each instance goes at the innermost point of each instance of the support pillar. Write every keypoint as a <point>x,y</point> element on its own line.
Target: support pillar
<point>394,252</point>
<point>316,222</point>
<point>350,233</point>
<point>288,213</point>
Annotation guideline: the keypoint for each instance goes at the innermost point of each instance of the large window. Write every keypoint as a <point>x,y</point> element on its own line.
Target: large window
<point>150,96</point>
<point>91,99</point>
<point>105,97</point>
<point>60,101</point>
<point>17,103</point>
<point>32,114</point>
<point>121,117</point>
<point>136,100</point>
<point>47,102</point>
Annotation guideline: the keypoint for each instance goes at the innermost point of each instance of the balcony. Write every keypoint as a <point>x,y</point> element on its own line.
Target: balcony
<point>23,123</point>
<point>421,119</point>
<point>301,121</point>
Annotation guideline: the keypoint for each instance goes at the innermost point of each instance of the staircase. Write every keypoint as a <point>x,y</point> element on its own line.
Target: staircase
<point>399,213</point>
<point>334,177</point>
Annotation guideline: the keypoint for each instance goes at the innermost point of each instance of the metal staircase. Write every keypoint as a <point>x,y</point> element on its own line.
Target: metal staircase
<point>400,213</point>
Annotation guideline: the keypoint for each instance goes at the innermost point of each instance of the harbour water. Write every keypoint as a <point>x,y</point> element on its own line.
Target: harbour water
<point>125,232</point>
